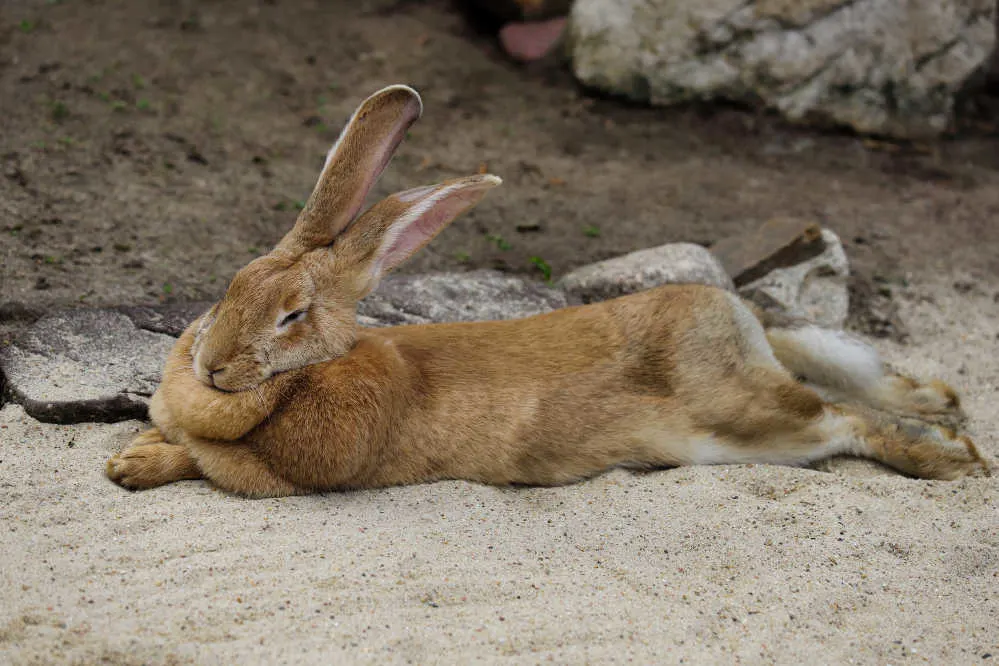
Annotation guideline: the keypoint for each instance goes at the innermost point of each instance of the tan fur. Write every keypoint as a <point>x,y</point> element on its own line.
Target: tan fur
<point>672,376</point>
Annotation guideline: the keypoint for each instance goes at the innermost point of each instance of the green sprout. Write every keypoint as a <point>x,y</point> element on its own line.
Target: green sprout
<point>544,267</point>
<point>499,241</point>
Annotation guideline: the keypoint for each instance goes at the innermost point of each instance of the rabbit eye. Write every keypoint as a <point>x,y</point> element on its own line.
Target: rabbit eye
<point>291,318</point>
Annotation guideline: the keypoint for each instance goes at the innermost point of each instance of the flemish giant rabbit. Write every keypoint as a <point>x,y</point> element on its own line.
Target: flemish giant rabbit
<point>276,390</point>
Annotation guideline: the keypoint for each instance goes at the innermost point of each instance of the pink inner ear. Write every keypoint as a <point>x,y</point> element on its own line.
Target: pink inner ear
<point>424,221</point>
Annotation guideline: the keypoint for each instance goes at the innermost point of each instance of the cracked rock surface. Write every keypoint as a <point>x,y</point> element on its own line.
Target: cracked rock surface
<point>84,365</point>
<point>890,67</point>
<point>440,297</point>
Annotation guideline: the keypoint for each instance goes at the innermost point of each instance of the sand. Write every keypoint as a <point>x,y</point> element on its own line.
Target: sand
<point>849,563</point>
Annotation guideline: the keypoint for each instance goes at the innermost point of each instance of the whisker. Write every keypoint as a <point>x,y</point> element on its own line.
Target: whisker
<point>260,397</point>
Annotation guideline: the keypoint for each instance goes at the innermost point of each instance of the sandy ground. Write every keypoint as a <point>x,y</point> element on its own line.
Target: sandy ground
<point>847,564</point>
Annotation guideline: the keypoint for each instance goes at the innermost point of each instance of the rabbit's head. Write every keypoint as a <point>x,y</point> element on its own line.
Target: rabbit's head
<point>297,305</point>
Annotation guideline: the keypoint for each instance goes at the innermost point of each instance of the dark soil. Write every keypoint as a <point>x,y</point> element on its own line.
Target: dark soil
<point>150,148</point>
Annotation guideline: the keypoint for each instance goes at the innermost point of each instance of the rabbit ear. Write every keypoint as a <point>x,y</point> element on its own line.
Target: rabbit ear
<point>396,227</point>
<point>354,163</point>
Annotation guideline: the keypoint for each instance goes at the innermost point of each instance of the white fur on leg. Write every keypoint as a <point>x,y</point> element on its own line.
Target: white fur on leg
<point>832,434</point>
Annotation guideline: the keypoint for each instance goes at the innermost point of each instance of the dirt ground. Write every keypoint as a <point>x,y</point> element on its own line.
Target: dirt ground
<point>151,148</point>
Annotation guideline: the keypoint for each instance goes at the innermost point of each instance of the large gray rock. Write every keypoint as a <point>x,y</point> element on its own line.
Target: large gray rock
<point>675,263</point>
<point>84,365</point>
<point>442,297</point>
<point>815,289</point>
<point>888,67</point>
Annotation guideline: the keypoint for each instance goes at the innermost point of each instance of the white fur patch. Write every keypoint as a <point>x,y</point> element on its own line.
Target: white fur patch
<point>831,359</point>
<point>837,436</point>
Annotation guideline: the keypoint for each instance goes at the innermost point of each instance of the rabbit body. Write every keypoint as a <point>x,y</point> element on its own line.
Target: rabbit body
<point>672,376</point>
<point>276,391</point>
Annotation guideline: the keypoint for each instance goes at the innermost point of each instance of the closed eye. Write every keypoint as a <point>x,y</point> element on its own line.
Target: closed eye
<point>291,318</point>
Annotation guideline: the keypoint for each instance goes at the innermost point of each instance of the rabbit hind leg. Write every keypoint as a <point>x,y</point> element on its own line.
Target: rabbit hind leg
<point>911,446</point>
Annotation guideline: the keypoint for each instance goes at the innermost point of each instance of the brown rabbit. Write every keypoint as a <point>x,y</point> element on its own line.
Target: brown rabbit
<point>276,390</point>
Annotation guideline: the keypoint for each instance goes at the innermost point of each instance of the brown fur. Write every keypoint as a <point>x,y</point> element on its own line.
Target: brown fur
<point>676,375</point>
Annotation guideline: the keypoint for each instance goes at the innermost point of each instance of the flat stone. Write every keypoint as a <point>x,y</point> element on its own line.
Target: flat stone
<point>443,297</point>
<point>675,263</point>
<point>815,289</point>
<point>777,243</point>
<point>84,365</point>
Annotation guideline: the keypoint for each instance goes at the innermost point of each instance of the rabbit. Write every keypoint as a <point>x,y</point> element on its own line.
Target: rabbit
<point>276,390</point>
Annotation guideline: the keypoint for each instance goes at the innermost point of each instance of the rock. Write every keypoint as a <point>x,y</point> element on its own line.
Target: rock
<point>777,243</point>
<point>889,67</point>
<point>169,319</point>
<point>442,297</point>
<point>675,263</point>
<point>84,365</point>
<point>815,289</point>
